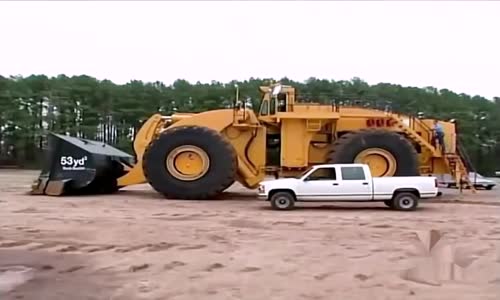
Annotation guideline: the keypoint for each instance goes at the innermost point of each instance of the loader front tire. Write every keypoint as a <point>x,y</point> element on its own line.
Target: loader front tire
<point>214,160</point>
<point>387,153</point>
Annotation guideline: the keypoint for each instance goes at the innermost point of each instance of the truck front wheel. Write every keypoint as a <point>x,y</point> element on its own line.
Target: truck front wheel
<point>405,201</point>
<point>282,201</point>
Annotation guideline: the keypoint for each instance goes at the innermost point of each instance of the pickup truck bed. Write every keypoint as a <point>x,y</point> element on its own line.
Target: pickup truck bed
<point>348,182</point>
<point>384,187</point>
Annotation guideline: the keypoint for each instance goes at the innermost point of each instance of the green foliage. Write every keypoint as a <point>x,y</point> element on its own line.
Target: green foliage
<point>86,107</point>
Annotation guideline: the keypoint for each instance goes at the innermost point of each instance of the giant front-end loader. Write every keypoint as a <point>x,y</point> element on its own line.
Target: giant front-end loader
<point>198,156</point>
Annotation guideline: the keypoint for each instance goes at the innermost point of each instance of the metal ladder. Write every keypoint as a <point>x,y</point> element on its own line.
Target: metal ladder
<point>417,138</point>
<point>455,162</point>
<point>459,171</point>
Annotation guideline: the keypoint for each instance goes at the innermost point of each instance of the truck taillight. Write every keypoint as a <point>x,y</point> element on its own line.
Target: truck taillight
<point>435,182</point>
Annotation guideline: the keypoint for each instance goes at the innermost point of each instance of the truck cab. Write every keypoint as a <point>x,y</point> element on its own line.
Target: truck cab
<point>337,182</point>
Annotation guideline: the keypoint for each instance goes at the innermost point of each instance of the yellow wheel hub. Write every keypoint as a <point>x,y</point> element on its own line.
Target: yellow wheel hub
<point>380,161</point>
<point>188,162</point>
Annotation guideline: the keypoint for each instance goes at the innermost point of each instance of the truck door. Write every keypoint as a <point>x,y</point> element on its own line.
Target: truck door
<point>320,185</point>
<point>354,184</point>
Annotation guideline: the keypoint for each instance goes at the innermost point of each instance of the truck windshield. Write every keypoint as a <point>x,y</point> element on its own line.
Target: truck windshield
<point>304,172</point>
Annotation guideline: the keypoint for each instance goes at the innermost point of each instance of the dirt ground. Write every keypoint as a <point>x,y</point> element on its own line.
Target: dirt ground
<point>137,245</point>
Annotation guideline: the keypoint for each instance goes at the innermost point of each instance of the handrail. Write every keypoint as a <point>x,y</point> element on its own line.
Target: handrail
<point>465,157</point>
<point>382,106</point>
<point>378,105</point>
<point>461,150</point>
<point>425,126</point>
<point>413,119</point>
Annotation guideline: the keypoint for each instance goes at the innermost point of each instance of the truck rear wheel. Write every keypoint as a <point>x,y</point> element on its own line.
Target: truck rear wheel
<point>190,162</point>
<point>405,201</point>
<point>387,153</point>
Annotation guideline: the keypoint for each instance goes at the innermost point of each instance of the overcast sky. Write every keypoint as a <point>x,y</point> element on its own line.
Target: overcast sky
<point>454,45</point>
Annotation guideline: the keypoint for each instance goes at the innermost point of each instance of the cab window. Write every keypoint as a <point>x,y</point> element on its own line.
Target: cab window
<point>323,174</point>
<point>264,108</point>
<point>272,105</point>
<point>353,173</point>
<point>282,103</point>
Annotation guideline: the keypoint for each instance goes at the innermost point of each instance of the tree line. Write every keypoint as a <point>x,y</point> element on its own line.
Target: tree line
<point>102,110</point>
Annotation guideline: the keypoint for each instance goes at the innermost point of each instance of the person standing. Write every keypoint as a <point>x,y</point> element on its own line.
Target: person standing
<point>439,134</point>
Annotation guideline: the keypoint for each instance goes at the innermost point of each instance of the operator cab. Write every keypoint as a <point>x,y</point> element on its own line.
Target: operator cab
<point>277,99</point>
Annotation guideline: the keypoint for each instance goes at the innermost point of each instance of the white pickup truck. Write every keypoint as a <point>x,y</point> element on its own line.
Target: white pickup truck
<point>348,182</point>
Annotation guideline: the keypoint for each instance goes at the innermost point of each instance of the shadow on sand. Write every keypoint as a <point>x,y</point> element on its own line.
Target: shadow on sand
<point>347,206</point>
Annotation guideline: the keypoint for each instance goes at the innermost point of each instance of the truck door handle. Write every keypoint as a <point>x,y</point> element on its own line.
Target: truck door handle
<point>335,184</point>
<point>365,183</point>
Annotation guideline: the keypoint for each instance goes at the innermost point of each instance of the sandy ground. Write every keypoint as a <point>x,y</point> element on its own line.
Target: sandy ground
<point>137,245</point>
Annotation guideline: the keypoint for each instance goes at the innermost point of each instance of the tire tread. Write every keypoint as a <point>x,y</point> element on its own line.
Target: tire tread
<point>343,146</point>
<point>224,180</point>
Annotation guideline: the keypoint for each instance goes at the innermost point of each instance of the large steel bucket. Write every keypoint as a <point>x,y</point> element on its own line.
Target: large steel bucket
<point>80,166</point>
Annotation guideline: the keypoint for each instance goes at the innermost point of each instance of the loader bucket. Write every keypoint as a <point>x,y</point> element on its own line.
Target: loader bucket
<point>75,166</point>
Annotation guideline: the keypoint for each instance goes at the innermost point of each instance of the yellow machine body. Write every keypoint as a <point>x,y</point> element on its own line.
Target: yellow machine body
<point>251,166</point>
<point>283,138</point>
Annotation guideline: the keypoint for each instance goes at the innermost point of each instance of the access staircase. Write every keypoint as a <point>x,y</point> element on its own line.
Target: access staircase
<point>458,170</point>
<point>416,137</point>
<point>466,164</point>
<point>454,161</point>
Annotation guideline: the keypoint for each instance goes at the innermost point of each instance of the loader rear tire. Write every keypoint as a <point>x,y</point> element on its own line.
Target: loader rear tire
<point>400,154</point>
<point>218,174</point>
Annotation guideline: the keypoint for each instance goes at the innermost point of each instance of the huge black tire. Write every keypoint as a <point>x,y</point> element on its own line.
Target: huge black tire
<point>226,186</point>
<point>348,146</point>
<point>220,174</point>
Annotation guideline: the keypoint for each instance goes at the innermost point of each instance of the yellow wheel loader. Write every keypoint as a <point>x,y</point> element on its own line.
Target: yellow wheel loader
<point>198,156</point>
